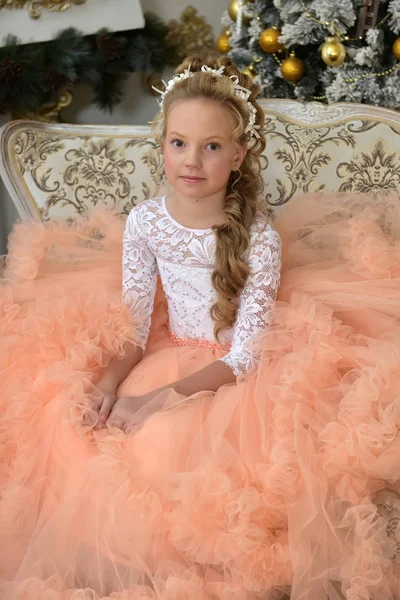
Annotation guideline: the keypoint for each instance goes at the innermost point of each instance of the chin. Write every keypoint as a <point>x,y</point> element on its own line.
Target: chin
<point>191,192</point>
<point>200,190</point>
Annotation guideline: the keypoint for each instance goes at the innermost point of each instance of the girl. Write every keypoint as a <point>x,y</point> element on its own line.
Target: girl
<point>198,236</point>
<point>194,440</point>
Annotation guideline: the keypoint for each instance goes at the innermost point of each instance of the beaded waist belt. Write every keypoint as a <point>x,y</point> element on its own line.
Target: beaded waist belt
<point>180,341</point>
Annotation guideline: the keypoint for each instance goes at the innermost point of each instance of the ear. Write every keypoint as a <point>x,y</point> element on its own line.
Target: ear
<point>240,154</point>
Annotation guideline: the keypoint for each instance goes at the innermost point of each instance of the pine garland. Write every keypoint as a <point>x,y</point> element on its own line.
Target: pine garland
<point>33,75</point>
<point>370,72</point>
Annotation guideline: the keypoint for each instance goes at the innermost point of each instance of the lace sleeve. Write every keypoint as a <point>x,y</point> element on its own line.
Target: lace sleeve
<point>256,302</point>
<point>139,274</point>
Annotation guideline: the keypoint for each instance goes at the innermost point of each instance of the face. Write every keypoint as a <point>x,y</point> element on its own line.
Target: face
<point>199,150</point>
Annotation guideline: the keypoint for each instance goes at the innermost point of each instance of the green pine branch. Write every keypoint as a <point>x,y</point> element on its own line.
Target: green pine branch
<point>32,75</point>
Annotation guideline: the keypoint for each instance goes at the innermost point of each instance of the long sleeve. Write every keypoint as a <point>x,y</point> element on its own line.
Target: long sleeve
<point>139,274</point>
<point>256,302</point>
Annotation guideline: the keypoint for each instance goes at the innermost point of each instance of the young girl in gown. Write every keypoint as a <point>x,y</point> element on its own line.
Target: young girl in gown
<point>182,436</point>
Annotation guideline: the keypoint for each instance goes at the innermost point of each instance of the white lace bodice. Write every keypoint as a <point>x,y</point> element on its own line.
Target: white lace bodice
<point>154,243</point>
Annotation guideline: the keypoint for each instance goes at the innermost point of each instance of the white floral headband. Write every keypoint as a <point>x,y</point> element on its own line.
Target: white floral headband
<point>239,91</point>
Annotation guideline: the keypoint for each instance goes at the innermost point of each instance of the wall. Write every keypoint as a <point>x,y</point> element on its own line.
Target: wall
<point>136,108</point>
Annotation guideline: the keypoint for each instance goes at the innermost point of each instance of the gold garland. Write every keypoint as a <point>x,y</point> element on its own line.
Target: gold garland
<point>323,23</point>
<point>367,75</point>
<point>364,76</point>
<point>348,39</point>
<point>35,7</point>
<point>338,33</point>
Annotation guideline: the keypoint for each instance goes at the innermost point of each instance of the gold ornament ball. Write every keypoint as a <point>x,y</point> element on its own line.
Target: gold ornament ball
<point>292,68</point>
<point>233,10</point>
<point>396,48</point>
<point>250,71</point>
<point>223,44</point>
<point>269,40</point>
<point>333,52</point>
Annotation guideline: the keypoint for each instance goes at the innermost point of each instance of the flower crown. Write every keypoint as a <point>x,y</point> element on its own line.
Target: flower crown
<point>238,90</point>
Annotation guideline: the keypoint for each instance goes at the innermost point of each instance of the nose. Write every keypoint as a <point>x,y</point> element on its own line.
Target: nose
<point>193,158</point>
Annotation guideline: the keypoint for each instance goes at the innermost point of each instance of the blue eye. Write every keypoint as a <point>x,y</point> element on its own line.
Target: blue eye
<point>177,143</point>
<point>214,146</point>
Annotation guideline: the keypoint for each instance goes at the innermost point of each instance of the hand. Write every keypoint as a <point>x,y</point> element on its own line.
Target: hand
<point>130,412</point>
<point>103,398</point>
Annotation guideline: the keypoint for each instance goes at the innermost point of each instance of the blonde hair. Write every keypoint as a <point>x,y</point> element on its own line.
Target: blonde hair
<point>242,201</point>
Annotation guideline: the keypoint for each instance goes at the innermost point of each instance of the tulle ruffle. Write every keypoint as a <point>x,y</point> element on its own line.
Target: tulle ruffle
<point>272,488</point>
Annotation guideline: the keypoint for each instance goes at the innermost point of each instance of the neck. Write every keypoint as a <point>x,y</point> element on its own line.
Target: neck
<point>202,212</point>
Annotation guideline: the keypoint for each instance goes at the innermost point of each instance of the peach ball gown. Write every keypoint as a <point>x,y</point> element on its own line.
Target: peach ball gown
<point>263,490</point>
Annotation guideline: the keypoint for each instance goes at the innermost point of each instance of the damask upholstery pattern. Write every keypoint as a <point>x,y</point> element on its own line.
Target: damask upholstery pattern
<point>351,152</point>
<point>65,170</point>
<point>60,174</point>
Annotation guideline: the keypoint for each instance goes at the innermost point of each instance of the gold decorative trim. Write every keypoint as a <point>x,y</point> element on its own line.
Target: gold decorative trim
<point>35,7</point>
<point>191,34</point>
<point>48,113</point>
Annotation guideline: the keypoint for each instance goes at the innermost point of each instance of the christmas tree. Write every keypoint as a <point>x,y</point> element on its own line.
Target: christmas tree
<point>327,50</point>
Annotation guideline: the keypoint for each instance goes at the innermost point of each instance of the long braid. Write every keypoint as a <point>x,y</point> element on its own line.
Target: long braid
<point>233,240</point>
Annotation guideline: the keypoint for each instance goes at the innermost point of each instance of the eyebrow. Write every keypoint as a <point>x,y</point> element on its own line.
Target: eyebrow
<point>211,137</point>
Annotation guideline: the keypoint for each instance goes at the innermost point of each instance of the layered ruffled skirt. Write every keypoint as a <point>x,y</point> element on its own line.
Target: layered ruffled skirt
<point>283,485</point>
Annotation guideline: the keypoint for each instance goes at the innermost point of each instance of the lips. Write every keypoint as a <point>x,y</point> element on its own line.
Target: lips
<point>191,179</point>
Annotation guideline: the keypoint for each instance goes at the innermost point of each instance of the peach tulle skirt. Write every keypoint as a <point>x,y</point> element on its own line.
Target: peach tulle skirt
<point>263,490</point>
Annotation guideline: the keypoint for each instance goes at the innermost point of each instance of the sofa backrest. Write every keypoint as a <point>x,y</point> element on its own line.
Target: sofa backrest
<point>59,170</point>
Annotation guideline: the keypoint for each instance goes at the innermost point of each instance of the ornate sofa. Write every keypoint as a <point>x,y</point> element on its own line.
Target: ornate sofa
<point>63,170</point>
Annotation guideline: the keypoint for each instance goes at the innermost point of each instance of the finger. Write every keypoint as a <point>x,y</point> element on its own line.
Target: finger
<point>95,402</point>
<point>96,396</point>
<point>105,408</point>
<point>116,423</point>
<point>128,427</point>
<point>99,424</point>
<point>132,427</point>
<point>96,407</point>
<point>90,418</point>
<point>131,423</point>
